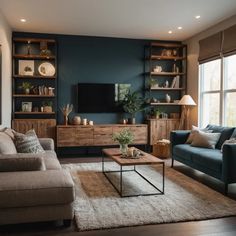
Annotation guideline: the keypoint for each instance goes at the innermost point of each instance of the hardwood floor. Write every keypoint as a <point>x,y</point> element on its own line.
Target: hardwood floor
<point>222,226</point>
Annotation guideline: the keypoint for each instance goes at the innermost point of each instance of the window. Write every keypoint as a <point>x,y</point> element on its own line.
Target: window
<point>218,92</point>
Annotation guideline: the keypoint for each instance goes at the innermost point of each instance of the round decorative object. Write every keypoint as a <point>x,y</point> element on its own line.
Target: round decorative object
<point>46,69</point>
<point>77,120</point>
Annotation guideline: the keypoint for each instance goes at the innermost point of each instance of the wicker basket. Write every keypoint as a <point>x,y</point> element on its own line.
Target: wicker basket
<point>161,149</point>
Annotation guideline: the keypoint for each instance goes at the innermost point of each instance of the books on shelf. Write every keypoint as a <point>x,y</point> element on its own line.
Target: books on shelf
<point>175,82</point>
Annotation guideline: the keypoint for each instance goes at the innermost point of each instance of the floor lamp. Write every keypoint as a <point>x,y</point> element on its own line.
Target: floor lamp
<point>186,101</point>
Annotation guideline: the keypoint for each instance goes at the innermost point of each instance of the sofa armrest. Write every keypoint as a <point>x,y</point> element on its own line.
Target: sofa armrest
<point>47,143</point>
<point>21,162</point>
<point>229,163</point>
<point>179,136</point>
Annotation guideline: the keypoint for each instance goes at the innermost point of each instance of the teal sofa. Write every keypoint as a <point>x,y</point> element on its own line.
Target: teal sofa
<point>221,165</point>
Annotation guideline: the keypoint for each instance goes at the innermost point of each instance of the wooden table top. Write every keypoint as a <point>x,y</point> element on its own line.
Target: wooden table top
<point>146,159</point>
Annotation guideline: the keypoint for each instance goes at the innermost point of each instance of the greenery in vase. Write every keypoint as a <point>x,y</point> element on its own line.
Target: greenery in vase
<point>26,85</point>
<point>124,137</point>
<point>133,103</point>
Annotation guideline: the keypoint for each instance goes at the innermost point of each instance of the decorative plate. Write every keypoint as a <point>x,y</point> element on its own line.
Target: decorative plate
<point>46,69</point>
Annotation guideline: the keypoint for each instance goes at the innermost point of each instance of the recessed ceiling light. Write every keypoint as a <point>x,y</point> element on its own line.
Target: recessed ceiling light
<point>23,20</point>
<point>180,27</point>
<point>197,17</point>
<point>169,32</point>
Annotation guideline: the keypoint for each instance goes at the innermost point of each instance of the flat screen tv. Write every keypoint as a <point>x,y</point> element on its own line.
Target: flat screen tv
<point>101,98</point>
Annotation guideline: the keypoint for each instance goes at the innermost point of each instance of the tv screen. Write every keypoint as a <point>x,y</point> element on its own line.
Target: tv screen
<point>101,98</point>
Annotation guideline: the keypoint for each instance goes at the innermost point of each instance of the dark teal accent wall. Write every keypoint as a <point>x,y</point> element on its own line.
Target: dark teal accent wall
<point>96,60</point>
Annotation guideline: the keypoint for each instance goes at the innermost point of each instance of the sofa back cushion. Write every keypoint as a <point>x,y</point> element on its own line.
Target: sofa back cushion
<point>226,133</point>
<point>7,145</point>
<point>28,143</point>
<point>206,140</point>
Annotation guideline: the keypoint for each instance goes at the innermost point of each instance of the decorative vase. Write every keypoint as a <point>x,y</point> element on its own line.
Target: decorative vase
<point>65,120</point>
<point>27,91</point>
<point>168,98</point>
<point>124,149</point>
<point>132,121</point>
<point>76,120</point>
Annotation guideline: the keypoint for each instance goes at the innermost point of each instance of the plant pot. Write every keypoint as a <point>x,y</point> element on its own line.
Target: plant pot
<point>27,91</point>
<point>47,109</point>
<point>131,121</point>
<point>124,149</point>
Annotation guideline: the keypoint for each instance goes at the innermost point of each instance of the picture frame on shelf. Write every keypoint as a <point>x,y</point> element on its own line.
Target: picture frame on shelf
<point>26,67</point>
<point>26,106</point>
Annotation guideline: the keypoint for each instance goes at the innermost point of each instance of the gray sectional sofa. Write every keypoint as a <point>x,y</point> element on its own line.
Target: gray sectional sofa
<point>214,162</point>
<point>34,187</point>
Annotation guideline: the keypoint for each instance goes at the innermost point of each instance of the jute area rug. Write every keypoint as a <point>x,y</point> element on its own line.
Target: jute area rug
<point>98,205</point>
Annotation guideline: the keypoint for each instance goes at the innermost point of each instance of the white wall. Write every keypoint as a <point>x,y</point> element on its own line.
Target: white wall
<point>5,41</point>
<point>193,52</point>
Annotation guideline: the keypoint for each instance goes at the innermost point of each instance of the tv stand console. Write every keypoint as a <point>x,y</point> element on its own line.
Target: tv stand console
<point>97,135</point>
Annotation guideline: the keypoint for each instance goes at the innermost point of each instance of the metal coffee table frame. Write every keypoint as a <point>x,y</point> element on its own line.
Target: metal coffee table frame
<point>120,189</point>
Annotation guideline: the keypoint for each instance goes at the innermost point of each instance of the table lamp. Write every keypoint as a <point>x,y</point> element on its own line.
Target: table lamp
<point>185,101</point>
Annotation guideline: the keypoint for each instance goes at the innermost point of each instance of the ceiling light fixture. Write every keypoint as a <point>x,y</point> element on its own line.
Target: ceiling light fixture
<point>197,17</point>
<point>180,27</point>
<point>23,20</point>
<point>169,32</point>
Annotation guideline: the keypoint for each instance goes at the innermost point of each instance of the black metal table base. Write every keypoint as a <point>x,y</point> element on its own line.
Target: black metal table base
<point>121,171</point>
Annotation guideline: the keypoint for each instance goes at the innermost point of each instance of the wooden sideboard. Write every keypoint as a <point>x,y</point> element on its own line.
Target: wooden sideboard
<point>97,135</point>
<point>161,128</point>
<point>44,128</point>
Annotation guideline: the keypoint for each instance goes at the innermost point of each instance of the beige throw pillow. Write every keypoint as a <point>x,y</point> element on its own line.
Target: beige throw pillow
<point>195,130</point>
<point>7,146</point>
<point>206,140</point>
<point>28,143</point>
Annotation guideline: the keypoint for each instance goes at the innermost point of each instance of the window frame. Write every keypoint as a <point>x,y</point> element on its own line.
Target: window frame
<point>222,92</point>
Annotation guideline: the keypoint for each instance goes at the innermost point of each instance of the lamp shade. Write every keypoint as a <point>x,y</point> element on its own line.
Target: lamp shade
<point>187,100</point>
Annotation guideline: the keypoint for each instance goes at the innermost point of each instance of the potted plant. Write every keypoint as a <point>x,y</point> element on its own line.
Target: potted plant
<point>47,106</point>
<point>155,113</point>
<point>124,138</point>
<point>152,83</point>
<point>132,104</point>
<point>26,86</point>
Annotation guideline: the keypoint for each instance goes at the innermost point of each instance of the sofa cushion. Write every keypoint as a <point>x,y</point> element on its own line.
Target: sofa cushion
<point>7,146</point>
<point>35,188</point>
<point>209,158</point>
<point>194,130</point>
<point>184,151</point>
<point>226,133</point>
<point>51,161</point>
<point>206,140</point>
<point>21,162</point>
<point>28,143</point>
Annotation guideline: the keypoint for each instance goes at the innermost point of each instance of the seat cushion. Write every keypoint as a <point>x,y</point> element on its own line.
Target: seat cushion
<point>211,159</point>
<point>226,133</point>
<point>50,160</point>
<point>35,188</point>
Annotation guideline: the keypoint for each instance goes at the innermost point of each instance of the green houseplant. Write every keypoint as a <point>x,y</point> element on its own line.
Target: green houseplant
<point>26,86</point>
<point>132,104</point>
<point>124,138</point>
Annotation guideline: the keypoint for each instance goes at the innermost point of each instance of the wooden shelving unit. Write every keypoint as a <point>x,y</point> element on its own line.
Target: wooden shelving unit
<point>28,54</point>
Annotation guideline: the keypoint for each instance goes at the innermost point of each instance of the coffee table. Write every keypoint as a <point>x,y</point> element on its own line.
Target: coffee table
<point>145,159</point>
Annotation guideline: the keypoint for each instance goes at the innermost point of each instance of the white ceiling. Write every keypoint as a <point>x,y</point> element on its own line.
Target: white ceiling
<point>142,19</point>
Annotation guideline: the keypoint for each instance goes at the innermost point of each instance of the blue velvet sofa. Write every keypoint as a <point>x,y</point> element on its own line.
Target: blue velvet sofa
<point>221,165</point>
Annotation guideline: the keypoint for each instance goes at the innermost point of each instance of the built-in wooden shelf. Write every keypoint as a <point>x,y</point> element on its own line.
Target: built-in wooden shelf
<point>159,57</point>
<point>35,57</point>
<point>164,104</point>
<point>32,95</point>
<point>166,89</point>
<point>33,40</point>
<point>33,77</point>
<point>33,113</point>
<point>166,73</point>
